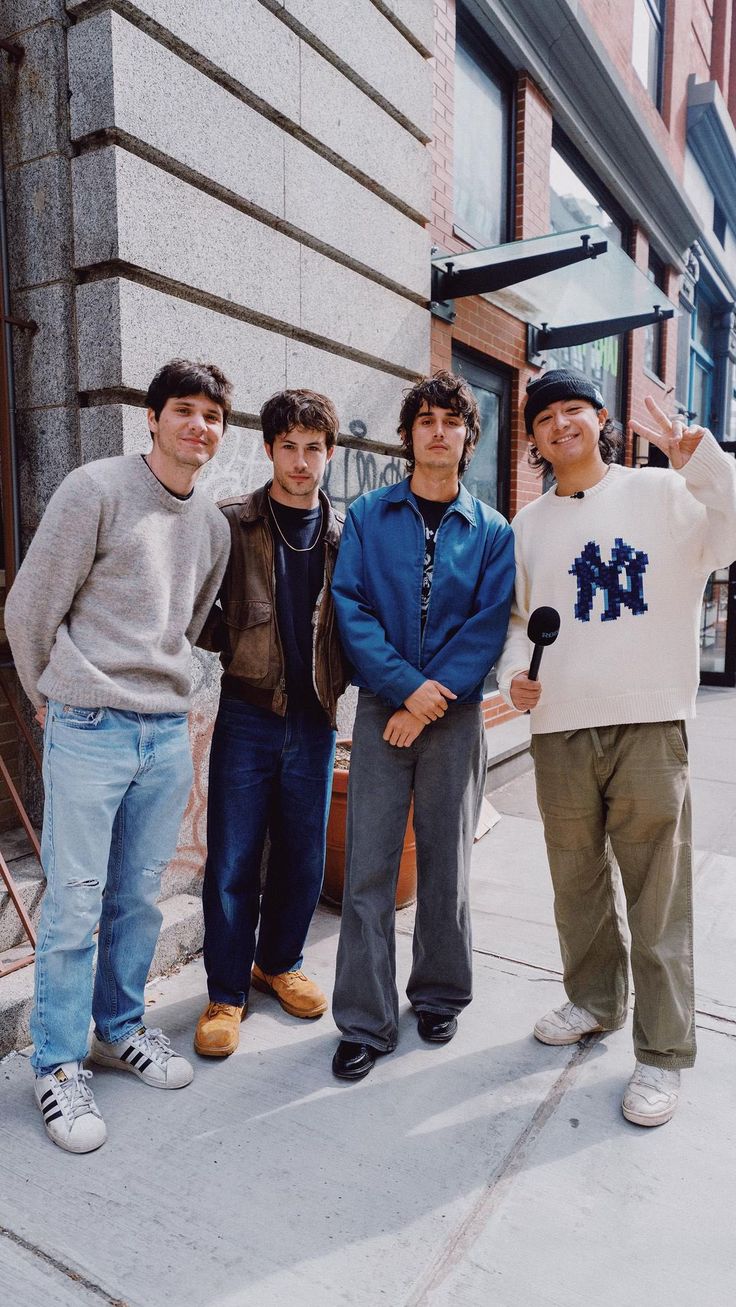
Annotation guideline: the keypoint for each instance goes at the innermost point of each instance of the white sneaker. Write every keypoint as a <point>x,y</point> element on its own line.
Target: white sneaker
<point>651,1095</point>
<point>149,1055</point>
<point>565,1025</point>
<point>70,1113</point>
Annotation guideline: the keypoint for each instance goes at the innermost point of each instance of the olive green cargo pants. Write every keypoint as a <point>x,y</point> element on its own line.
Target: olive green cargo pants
<point>623,792</point>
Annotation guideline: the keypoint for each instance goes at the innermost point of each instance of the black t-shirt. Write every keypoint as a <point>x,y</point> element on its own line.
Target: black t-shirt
<point>299,579</point>
<point>432,513</point>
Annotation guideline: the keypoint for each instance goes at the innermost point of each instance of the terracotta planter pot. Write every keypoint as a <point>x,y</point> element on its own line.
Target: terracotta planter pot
<point>332,889</point>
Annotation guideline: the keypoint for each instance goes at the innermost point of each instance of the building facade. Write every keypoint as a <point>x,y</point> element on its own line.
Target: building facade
<point>264,182</point>
<point>615,116</point>
<point>247,182</point>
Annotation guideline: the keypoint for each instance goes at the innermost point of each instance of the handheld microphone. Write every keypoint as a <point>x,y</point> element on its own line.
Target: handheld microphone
<point>542,629</point>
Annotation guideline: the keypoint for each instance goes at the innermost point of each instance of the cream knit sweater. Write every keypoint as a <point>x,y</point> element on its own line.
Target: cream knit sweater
<point>114,589</point>
<point>625,567</point>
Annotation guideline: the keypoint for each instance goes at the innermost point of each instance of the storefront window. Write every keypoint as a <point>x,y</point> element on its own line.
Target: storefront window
<point>713,623</point>
<point>482,144</point>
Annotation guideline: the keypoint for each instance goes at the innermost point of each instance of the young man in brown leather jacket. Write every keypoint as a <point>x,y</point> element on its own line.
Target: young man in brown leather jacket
<point>274,739</point>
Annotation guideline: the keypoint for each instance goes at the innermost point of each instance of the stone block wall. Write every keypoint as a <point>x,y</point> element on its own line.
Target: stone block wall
<point>247,182</point>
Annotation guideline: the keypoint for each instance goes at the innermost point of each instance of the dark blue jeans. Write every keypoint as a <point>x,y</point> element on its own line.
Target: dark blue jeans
<point>267,773</point>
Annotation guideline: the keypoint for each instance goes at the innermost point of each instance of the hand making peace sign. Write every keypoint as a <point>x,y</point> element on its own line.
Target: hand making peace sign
<point>671,435</point>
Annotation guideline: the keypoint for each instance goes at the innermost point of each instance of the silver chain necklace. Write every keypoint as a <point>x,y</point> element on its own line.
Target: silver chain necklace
<point>293,548</point>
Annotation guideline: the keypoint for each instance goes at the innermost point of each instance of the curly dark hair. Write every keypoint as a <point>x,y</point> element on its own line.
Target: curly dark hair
<point>299,408</point>
<point>180,378</point>
<point>442,390</point>
<point>610,443</point>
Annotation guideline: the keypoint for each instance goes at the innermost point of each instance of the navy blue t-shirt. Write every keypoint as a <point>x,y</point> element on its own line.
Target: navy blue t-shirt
<point>299,579</point>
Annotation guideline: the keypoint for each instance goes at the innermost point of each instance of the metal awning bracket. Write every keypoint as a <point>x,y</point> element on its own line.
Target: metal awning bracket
<point>545,337</point>
<point>485,275</point>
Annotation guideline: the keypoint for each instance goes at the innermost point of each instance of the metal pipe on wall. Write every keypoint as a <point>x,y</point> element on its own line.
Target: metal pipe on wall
<point>8,450</point>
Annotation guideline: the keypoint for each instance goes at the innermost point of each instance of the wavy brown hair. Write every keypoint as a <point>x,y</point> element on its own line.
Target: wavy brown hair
<point>443,390</point>
<point>299,408</point>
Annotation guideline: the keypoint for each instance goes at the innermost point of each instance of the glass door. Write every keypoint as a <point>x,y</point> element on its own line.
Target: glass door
<point>487,476</point>
<point>718,629</point>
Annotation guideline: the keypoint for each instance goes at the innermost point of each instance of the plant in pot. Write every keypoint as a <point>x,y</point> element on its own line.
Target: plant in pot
<point>334,881</point>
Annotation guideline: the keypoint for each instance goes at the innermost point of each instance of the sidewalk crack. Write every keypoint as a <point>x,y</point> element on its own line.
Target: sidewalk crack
<point>68,1271</point>
<point>472,1225</point>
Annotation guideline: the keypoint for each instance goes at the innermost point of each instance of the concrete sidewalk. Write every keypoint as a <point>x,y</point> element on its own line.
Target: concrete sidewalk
<point>494,1171</point>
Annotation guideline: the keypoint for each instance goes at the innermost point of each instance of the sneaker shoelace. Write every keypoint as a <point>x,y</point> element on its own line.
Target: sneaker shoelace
<point>75,1096</point>
<point>573,1014</point>
<point>154,1044</point>
<point>657,1077</point>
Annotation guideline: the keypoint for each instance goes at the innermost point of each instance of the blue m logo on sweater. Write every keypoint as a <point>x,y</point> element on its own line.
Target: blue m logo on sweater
<point>593,574</point>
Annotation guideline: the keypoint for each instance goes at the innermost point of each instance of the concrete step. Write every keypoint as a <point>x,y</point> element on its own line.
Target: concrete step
<point>180,938</point>
<point>29,882</point>
<point>508,752</point>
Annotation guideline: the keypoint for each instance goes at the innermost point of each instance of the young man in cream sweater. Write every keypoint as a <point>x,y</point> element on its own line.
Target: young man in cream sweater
<point>624,555</point>
<point>114,589</point>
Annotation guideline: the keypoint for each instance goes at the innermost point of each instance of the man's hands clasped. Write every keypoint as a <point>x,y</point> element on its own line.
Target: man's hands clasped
<point>426,705</point>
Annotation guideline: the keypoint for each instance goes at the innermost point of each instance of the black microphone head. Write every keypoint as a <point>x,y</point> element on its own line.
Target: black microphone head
<point>544,626</point>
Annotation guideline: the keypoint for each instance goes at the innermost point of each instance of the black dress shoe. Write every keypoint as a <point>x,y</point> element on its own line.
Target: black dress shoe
<point>353,1061</point>
<point>436,1028</point>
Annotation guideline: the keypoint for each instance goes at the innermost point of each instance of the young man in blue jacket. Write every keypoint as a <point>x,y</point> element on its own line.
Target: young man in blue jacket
<point>422,590</point>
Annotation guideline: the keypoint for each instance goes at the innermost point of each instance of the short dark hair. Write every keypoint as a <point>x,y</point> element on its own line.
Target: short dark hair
<point>442,390</point>
<point>181,377</point>
<point>610,442</point>
<point>299,408</point>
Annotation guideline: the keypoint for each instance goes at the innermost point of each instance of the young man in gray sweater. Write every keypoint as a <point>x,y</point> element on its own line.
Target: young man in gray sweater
<point>114,589</point>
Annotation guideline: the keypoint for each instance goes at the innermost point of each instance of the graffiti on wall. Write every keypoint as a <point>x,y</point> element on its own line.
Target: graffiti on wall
<point>352,472</point>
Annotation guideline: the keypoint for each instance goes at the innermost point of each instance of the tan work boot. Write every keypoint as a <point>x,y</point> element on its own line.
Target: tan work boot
<point>297,994</point>
<point>218,1029</point>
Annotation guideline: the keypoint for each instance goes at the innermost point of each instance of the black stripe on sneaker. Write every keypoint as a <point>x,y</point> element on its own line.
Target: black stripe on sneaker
<point>45,1096</point>
<point>49,1119</point>
<point>50,1106</point>
<point>145,1065</point>
<point>132,1055</point>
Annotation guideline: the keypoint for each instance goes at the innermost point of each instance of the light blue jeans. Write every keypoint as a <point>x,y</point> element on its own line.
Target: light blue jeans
<point>116,787</point>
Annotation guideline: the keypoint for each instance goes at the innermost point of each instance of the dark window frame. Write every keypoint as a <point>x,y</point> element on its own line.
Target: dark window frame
<point>472,38</point>
<point>657,271</point>
<point>575,160</point>
<point>657,10</point>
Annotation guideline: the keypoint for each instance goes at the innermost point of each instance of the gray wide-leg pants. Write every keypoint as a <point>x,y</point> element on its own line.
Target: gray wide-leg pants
<point>445,770</point>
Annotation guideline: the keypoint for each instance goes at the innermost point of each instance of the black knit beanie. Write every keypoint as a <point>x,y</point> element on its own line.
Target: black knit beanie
<point>560,383</point>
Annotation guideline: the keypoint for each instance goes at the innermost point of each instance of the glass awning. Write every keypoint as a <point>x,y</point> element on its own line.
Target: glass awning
<point>570,286</point>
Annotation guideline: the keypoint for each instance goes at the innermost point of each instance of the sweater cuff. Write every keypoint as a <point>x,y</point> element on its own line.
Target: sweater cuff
<point>504,685</point>
<point>706,463</point>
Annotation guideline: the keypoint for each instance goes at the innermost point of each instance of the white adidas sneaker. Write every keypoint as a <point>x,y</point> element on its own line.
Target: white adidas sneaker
<point>149,1055</point>
<point>70,1114</point>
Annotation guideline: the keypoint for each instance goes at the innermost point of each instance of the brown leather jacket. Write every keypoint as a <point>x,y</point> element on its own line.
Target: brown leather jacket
<point>242,626</point>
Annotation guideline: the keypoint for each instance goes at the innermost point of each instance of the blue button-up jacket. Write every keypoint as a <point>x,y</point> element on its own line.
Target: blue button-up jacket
<point>377,588</point>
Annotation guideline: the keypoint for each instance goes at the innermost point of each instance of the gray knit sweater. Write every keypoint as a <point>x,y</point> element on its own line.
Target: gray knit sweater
<point>115,587</point>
